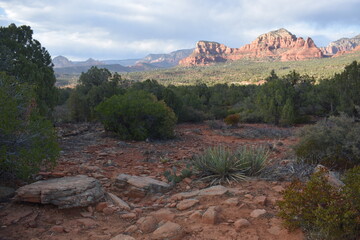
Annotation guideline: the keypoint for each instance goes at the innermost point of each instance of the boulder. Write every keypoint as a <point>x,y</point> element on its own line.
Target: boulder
<point>66,192</point>
<point>136,186</point>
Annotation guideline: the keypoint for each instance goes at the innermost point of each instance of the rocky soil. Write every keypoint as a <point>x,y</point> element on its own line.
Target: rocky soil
<point>188,210</point>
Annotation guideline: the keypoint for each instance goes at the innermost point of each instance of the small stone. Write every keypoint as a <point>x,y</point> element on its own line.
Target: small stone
<point>241,223</point>
<point>87,222</point>
<point>122,237</point>
<point>109,210</point>
<point>129,216</point>
<point>118,201</point>
<point>186,204</point>
<point>274,230</point>
<point>261,200</point>
<point>86,214</point>
<point>211,215</point>
<point>197,215</point>
<point>100,206</point>
<point>131,229</point>
<point>169,230</point>
<point>249,196</point>
<point>147,224</point>
<point>278,189</point>
<point>232,202</point>
<point>213,191</point>
<point>57,229</point>
<point>164,214</point>
<point>257,213</point>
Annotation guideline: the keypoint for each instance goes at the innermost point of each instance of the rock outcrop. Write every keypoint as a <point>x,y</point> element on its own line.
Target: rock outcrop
<point>276,45</point>
<point>340,46</point>
<point>136,186</point>
<point>66,192</point>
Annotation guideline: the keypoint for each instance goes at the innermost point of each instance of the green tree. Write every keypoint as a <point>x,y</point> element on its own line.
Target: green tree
<point>27,140</point>
<point>94,86</point>
<point>27,61</point>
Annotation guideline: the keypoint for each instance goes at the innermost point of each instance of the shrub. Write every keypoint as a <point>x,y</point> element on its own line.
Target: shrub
<point>333,142</point>
<point>219,164</point>
<point>27,140</point>
<point>232,119</point>
<point>320,209</point>
<point>137,115</point>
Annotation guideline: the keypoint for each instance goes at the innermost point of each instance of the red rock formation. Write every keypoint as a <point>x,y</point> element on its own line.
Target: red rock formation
<point>277,45</point>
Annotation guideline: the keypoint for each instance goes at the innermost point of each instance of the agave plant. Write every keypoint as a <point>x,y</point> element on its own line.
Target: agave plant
<point>220,164</point>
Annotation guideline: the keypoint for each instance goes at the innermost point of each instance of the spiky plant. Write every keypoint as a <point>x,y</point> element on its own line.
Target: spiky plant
<point>254,159</point>
<point>220,164</point>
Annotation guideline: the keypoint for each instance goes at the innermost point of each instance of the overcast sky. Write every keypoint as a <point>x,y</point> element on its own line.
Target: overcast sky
<point>122,29</point>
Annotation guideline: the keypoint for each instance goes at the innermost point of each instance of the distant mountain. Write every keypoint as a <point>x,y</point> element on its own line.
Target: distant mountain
<point>276,45</point>
<point>125,62</point>
<point>61,62</point>
<point>341,46</point>
<point>166,60</point>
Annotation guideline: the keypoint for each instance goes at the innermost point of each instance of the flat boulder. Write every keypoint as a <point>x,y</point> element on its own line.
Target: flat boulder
<point>137,186</point>
<point>66,192</point>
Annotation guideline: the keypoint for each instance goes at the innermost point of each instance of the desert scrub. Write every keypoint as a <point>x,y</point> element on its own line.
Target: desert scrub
<point>232,119</point>
<point>333,142</point>
<point>219,164</point>
<point>137,115</point>
<point>321,210</point>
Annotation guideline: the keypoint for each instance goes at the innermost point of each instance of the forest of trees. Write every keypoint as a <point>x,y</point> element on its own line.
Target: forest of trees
<point>285,101</point>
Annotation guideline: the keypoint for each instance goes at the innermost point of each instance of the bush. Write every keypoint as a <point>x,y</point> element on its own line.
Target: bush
<point>320,209</point>
<point>219,164</point>
<point>232,119</point>
<point>137,115</point>
<point>27,140</point>
<point>333,142</point>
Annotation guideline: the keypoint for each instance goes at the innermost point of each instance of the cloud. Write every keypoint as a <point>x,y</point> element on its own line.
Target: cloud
<point>127,29</point>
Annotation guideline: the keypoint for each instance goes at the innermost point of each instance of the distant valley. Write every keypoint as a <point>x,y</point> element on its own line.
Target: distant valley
<point>271,49</point>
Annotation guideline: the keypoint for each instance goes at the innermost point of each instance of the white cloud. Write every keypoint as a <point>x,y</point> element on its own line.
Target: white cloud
<point>134,28</point>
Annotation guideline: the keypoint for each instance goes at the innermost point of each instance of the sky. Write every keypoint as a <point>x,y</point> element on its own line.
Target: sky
<point>127,29</point>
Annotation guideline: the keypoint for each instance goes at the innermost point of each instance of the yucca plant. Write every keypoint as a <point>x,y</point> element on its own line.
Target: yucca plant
<point>253,158</point>
<point>219,164</point>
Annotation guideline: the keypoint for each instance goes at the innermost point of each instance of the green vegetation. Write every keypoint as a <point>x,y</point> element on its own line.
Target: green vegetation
<point>27,96</point>
<point>245,71</point>
<point>137,115</point>
<point>25,59</point>
<point>333,142</point>
<point>219,164</point>
<point>320,209</point>
<point>232,119</point>
<point>175,178</point>
<point>95,85</point>
<point>27,140</point>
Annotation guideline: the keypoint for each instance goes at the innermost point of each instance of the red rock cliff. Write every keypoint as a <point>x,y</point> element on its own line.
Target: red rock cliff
<point>277,45</point>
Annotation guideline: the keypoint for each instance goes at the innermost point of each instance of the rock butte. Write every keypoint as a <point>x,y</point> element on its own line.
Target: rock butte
<point>276,45</point>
